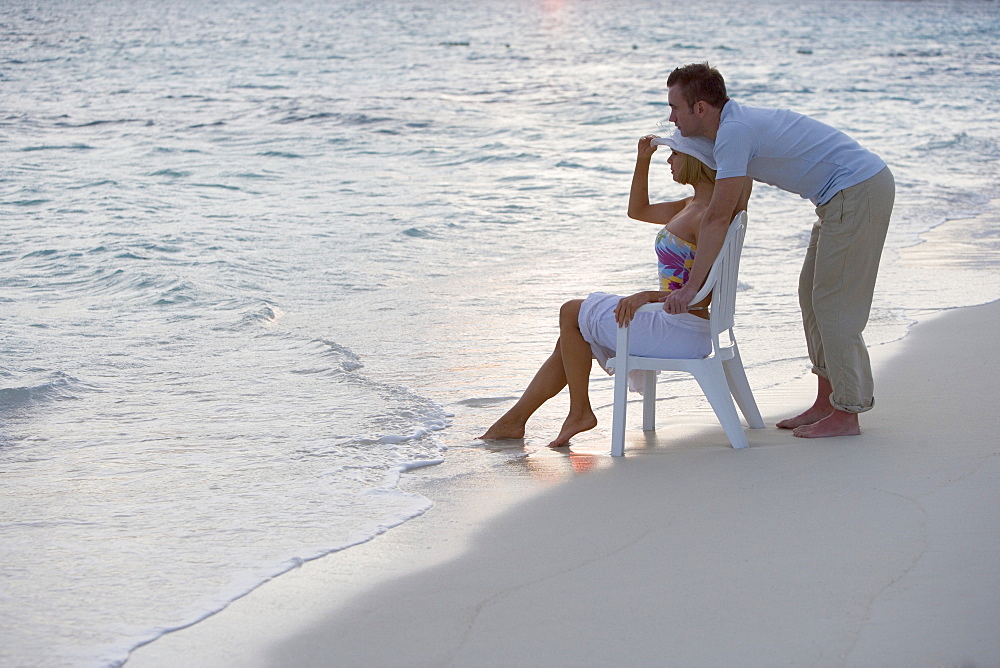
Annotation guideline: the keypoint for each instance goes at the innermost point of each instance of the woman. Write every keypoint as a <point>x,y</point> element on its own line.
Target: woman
<point>588,327</point>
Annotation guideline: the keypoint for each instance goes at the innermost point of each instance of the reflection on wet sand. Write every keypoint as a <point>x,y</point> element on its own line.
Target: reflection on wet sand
<point>546,464</point>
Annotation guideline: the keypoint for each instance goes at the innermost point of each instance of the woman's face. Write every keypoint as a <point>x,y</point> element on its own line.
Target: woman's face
<point>675,163</point>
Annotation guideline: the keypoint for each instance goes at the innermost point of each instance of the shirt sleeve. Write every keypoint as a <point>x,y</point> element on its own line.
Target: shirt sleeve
<point>735,146</point>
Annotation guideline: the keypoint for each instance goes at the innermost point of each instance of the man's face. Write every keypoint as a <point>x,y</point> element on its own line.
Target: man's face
<point>681,114</point>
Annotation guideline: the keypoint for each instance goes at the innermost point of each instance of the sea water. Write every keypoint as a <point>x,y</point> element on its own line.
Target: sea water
<point>261,258</point>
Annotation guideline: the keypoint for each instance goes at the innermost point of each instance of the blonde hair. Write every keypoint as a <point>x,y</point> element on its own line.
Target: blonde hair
<point>692,170</point>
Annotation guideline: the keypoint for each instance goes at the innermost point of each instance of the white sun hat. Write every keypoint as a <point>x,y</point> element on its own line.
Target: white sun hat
<point>702,148</point>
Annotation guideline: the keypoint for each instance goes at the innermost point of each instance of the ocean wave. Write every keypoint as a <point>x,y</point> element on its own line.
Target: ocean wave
<point>218,186</point>
<point>566,164</point>
<point>417,233</point>
<point>479,158</point>
<point>351,119</point>
<point>486,402</point>
<point>344,358</point>
<point>93,184</point>
<point>281,154</point>
<point>260,86</point>
<point>985,146</point>
<point>432,422</point>
<point>58,386</point>
<point>916,53</point>
<point>260,314</point>
<point>172,173</point>
<point>134,272</point>
<point>404,431</point>
<point>28,202</point>
<point>57,147</point>
<point>181,292</point>
<point>255,175</point>
<point>48,252</point>
<point>91,124</point>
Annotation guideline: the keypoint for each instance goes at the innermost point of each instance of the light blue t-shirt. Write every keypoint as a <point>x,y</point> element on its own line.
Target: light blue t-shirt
<point>790,151</point>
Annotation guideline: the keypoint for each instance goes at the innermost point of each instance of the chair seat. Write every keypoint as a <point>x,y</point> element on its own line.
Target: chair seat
<point>671,364</point>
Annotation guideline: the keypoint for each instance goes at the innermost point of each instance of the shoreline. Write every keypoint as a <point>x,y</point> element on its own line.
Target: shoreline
<point>857,550</point>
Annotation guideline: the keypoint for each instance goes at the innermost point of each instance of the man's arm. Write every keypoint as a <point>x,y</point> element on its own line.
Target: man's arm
<point>728,196</point>
<point>744,196</point>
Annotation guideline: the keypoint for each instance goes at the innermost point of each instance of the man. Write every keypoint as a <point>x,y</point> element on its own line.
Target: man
<point>853,191</point>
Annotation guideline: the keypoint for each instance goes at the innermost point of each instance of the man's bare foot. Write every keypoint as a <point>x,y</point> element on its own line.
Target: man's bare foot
<point>811,416</point>
<point>573,425</point>
<point>837,423</point>
<point>504,428</point>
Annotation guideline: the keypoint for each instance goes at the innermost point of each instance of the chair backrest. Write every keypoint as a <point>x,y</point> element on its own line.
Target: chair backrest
<point>721,280</point>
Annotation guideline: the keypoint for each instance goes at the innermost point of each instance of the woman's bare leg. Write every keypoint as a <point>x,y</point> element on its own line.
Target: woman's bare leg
<point>549,380</point>
<point>576,358</point>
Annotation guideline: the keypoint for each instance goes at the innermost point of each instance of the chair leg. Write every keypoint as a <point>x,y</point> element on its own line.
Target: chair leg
<point>712,379</point>
<point>649,401</point>
<point>736,378</point>
<point>620,411</point>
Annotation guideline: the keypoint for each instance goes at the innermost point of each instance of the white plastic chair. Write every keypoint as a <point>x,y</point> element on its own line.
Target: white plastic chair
<point>720,374</point>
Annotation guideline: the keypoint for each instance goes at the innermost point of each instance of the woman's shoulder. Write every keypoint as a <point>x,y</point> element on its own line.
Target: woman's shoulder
<point>686,223</point>
<point>691,203</point>
<point>692,211</point>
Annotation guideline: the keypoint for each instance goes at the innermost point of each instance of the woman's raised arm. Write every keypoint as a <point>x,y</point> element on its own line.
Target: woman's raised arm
<point>639,207</point>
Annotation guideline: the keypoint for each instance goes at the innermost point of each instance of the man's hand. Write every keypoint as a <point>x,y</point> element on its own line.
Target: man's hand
<point>679,300</point>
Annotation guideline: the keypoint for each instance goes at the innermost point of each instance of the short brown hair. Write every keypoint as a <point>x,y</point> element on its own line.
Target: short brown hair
<point>700,81</point>
<point>692,170</point>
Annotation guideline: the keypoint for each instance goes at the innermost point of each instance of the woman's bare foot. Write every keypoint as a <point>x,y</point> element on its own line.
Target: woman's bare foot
<point>504,428</point>
<point>573,425</point>
<point>811,416</point>
<point>837,423</point>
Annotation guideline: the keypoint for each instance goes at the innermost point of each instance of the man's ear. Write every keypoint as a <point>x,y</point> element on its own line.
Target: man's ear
<point>700,108</point>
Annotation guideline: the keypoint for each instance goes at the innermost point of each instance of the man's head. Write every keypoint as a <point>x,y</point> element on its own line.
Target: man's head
<point>696,94</point>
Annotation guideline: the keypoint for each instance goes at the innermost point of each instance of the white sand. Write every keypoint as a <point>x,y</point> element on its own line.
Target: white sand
<point>872,550</point>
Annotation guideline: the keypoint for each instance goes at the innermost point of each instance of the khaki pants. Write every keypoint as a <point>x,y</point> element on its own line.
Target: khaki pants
<point>837,283</point>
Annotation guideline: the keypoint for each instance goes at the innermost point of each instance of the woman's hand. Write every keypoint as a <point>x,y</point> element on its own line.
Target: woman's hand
<point>627,306</point>
<point>646,148</point>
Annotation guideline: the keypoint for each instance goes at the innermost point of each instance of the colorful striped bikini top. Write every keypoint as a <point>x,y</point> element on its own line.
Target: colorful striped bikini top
<point>674,259</point>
